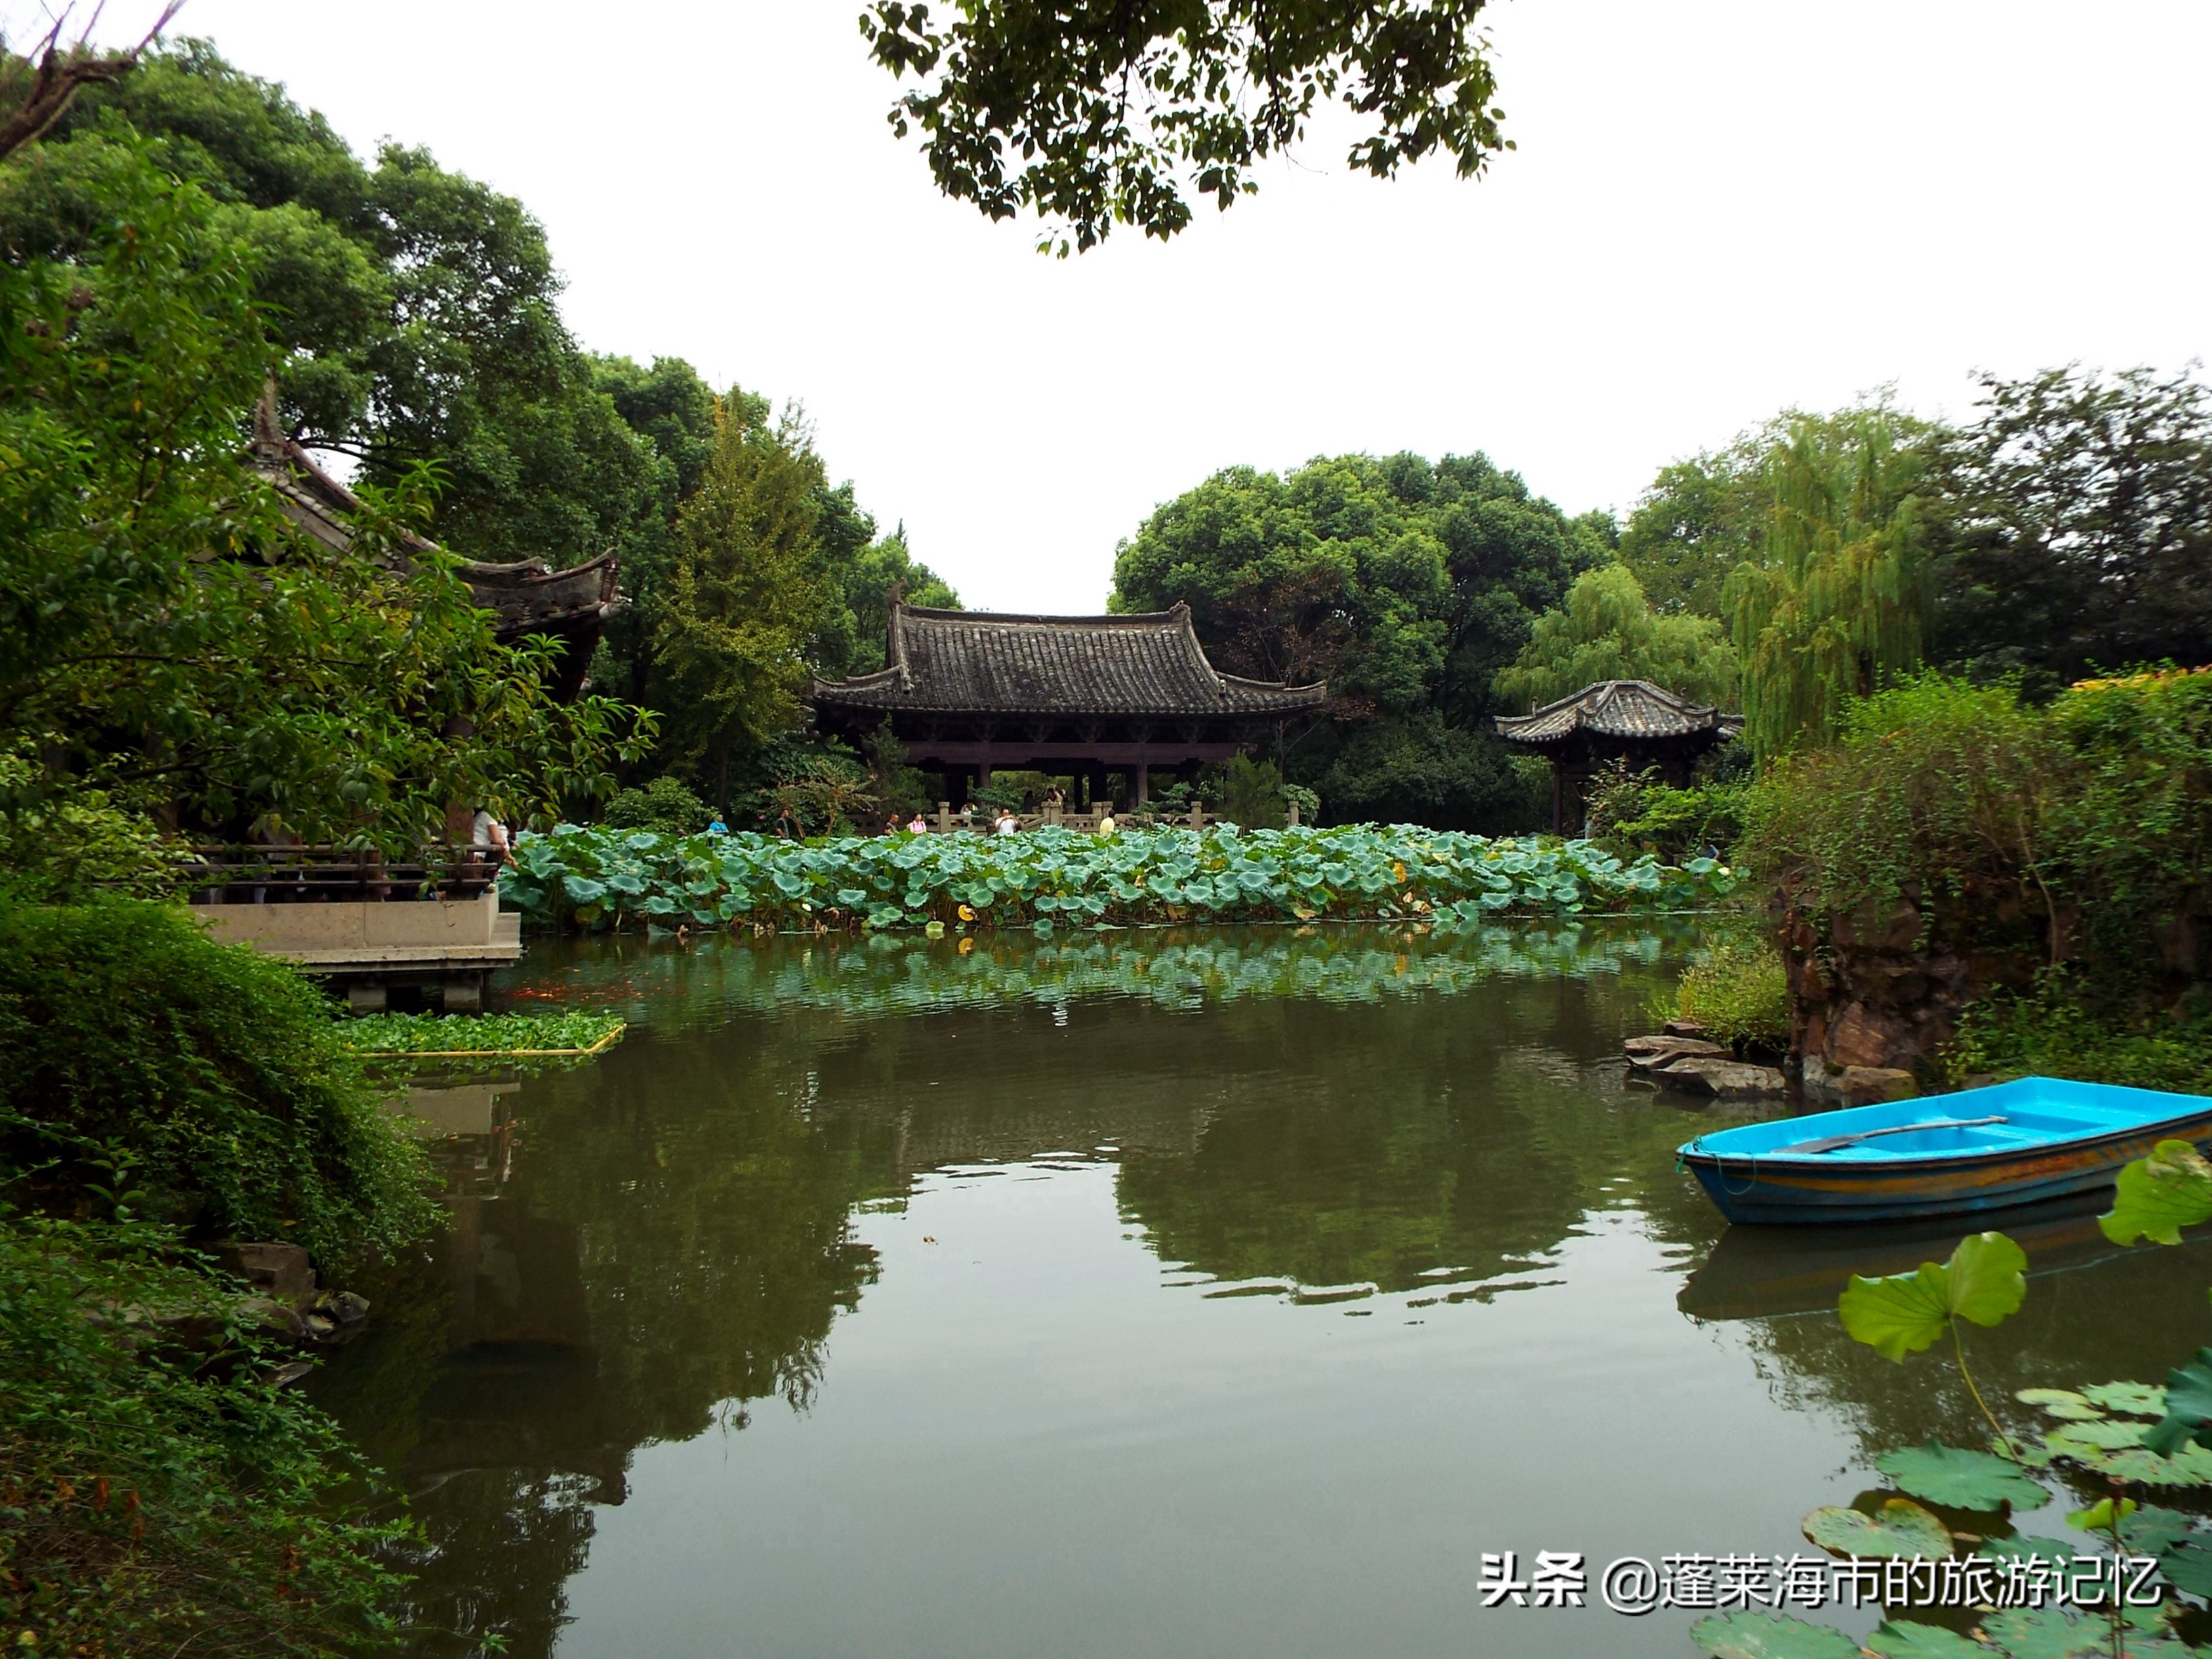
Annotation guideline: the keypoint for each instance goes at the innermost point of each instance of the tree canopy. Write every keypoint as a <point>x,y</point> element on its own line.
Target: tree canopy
<point>1406,584</point>
<point>1097,116</point>
<point>1607,631</point>
<point>178,651</point>
<point>2074,528</point>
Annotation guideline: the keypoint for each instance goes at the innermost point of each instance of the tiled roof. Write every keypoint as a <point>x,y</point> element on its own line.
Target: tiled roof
<point>527,596</point>
<point>987,662</point>
<point>1619,708</point>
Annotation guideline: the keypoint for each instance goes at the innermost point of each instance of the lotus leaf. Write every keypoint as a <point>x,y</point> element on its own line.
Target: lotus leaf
<point>1904,1639</point>
<point>1769,1635</point>
<point>2191,1467</point>
<point>2135,1399</point>
<point>1962,1479</point>
<point>2063,1633</point>
<point>1905,1313</point>
<point>2188,1405</point>
<point>2160,1196</point>
<point>2060,1402</point>
<point>2150,1530</point>
<point>2187,1563</point>
<point>1902,1528</point>
<point>2105,1433</point>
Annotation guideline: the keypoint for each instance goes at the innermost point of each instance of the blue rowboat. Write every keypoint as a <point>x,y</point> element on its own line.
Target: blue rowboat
<point>2034,1139</point>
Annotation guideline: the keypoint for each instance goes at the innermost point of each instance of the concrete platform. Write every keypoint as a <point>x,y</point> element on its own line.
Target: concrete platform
<point>372,946</point>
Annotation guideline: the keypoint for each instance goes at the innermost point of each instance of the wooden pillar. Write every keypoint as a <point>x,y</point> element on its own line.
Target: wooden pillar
<point>1558,793</point>
<point>1144,786</point>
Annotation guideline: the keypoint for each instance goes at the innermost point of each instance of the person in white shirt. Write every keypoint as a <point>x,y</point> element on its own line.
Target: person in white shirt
<point>485,830</point>
<point>1006,825</point>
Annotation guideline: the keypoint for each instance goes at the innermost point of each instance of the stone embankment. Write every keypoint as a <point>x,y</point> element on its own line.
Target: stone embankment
<point>1875,994</point>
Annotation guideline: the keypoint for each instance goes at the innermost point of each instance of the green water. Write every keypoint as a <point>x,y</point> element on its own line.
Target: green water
<point>1159,1294</point>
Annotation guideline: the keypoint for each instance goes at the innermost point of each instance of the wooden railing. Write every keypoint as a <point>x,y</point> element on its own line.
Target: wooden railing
<point>307,875</point>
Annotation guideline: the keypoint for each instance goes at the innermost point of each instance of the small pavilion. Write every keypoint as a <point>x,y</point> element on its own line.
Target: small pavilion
<point>1633,722</point>
<point>971,691</point>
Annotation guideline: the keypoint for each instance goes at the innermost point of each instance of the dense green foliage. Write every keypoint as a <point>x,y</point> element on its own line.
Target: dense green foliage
<point>137,1055</point>
<point>2061,1028</point>
<point>1406,585</point>
<point>1606,630</point>
<point>157,1499</point>
<point>666,806</point>
<point>148,678</point>
<point>410,316</point>
<point>1055,877</point>
<point>1633,811</point>
<point>1834,607</point>
<point>2080,830</point>
<point>744,595</point>
<point>2058,534</point>
<point>1095,120</point>
<point>416,310</point>
<point>2075,523</point>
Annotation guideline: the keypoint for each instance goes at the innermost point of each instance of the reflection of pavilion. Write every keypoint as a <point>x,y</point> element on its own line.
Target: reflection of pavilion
<point>991,1132</point>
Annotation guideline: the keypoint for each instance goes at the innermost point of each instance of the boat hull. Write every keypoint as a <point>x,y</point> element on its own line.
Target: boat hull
<point>1772,1190</point>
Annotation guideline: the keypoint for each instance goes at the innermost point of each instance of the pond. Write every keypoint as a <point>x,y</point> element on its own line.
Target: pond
<point>1146,1294</point>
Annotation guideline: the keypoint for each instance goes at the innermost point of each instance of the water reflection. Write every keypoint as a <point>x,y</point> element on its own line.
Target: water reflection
<point>655,1251</point>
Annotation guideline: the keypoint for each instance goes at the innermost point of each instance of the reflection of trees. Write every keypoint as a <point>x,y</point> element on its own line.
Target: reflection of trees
<point>2093,1314</point>
<point>675,1236</point>
<point>1457,1140</point>
<point>658,1238</point>
<point>711,1198</point>
<point>665,984</point>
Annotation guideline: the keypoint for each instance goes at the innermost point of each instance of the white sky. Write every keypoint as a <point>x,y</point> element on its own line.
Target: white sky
<point>1718,207</point>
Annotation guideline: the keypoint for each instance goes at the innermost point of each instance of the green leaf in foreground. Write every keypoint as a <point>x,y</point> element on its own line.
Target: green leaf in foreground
<point>2062,1633</point>
<point>1962,1479</point>
<point>2187,1564</point>
<point>1765,1636</point>
<point>1902,1638</point>
<point>1904,1313</point>
<point>1902,1528</point>
<point>2160,1196</point>
<point>2188,1406</point>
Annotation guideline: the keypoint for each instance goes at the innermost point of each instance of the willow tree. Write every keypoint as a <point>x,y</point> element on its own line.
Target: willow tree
<point>746,592</point>
<point>1833,607</point>
<point>1606,630</point>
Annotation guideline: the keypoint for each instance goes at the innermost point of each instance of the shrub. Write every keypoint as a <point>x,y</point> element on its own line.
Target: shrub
<point>1633,811</point>
<point>153,1500</point>
<point>1738,990</point>
<point>133,1044</point>
<point>2056,1029</point>
<point>666,806</point>
<point>2081,832</point>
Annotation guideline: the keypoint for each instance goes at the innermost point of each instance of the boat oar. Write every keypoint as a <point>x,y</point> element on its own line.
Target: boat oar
<point>1832,1143</point>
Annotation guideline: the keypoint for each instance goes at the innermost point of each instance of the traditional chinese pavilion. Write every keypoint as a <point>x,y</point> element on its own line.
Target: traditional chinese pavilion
<point>1633,721</point>
<point>968,691</point>
<point>527,597</point>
